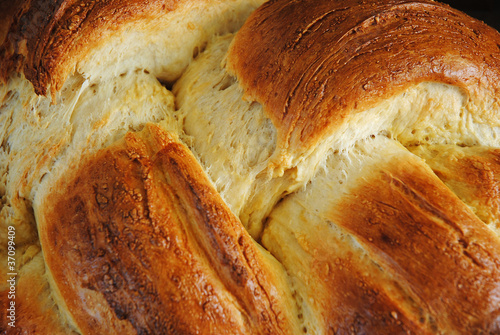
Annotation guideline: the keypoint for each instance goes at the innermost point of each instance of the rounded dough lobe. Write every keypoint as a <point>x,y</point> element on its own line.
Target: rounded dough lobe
<point>311,64</point>
<point>138,241</point>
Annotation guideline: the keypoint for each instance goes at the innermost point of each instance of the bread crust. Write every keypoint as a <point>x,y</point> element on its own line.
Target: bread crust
<point>392,249</point>
<point>135,236</point>
<point>46,39</point>
<point>472,173</point>
<point>331,60</point>
<point>422,233</point>
<point>140,242</point>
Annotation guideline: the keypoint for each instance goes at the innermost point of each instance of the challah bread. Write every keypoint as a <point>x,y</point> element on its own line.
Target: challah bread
<point>102,39</point>
<point>137,209</point>
<point>41,129</point>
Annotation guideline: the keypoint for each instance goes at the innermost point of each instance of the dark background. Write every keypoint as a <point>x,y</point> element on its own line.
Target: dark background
<point>485,10</point>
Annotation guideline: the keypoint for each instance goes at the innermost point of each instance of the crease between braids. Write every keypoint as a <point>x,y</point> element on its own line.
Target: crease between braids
<point>324,110</point>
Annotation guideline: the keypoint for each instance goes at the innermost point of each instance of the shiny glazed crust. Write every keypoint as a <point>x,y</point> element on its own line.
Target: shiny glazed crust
<point>47,38</point>
<point>153,249</point>
<point>329,167</point>
<point>408,254</point>
<point>334,59</point>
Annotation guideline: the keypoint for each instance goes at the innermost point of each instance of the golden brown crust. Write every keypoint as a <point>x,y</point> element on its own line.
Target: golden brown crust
<point>47,38</point>
<point>358,298</point>
<point>313,63</point>
<point>139,241</point>
<point>422,233</point>
<point>473,174</point>
<point>391,248</point>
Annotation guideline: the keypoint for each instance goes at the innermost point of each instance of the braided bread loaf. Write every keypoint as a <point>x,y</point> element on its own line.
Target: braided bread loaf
<point>240,167</point>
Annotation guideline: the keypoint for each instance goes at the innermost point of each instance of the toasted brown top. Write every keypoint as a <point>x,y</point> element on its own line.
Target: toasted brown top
<point>47,38</point>
<point>313,63</point>
<point>138,241</point>
<point>391,249</point>
<point>356,295</point>
<point>419,231</point>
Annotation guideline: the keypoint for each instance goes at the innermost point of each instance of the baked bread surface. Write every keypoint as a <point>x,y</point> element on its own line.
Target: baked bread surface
<point>234,167</point>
